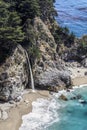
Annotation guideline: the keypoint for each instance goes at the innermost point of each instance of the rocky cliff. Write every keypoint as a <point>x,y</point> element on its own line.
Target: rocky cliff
<point>48,70</point>
<point>13,74</point>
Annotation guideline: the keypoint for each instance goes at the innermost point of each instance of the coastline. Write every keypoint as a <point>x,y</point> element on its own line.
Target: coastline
<point>17,110</point>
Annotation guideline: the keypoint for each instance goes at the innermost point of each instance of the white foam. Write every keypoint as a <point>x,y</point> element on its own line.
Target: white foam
<point>80,86</point>
<point>57,95</point>
<point>83,85</point>
<point>43,113</point>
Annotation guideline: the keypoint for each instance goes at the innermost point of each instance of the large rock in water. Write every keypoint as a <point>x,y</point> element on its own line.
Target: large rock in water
<point>13,74</point>
<point>49,70</point>
<point>63,97</point>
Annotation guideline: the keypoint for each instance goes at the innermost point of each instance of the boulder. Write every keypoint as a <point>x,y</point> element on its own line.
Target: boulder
<point>63,97</point>
<point>52,79</point>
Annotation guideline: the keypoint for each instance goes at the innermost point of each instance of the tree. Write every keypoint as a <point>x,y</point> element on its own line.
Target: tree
<point>10,29</point>
<point>47,9</point>
<point>28,9</point>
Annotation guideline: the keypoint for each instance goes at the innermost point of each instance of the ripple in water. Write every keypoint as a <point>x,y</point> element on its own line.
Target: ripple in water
<point>73,14</point>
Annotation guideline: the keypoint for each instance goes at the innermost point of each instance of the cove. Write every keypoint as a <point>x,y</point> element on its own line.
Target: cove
<point>56,114</point>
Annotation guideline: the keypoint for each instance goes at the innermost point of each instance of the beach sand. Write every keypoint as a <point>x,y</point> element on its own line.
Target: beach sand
<point>78,76</point>
<point>79,81</point>
<point>16,111</point>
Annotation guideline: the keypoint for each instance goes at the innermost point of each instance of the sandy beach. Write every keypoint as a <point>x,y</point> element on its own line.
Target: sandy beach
<point>17,110</point>
<point>79,81</point>
<point>78,75</point>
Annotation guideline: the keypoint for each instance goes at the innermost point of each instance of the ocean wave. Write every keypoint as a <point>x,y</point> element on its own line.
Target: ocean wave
<point>44,113</point>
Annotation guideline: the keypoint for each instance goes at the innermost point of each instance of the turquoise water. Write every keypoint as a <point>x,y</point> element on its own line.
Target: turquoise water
<point>73,14</point>
<point>74,115</point>
<point>55,114</point>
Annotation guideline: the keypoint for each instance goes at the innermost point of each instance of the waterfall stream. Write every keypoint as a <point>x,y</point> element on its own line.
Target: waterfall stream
<point>31,74</point>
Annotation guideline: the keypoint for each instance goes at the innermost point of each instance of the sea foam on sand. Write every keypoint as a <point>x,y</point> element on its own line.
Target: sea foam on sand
<point>44,112</point>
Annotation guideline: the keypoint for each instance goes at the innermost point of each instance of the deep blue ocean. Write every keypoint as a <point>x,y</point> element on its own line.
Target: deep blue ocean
<point>72,14</point>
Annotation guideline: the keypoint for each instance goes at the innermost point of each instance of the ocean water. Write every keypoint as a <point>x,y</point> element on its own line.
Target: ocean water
<point>72,14</point>
<point>55,114</point>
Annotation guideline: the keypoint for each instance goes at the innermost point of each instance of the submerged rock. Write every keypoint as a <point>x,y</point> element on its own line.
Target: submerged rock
<point>82,101</point>
<point>73,98</point>
<point>76,97</point>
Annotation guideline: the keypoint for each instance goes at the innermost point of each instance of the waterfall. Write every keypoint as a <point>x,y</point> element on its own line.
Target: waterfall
<point>31,74</point>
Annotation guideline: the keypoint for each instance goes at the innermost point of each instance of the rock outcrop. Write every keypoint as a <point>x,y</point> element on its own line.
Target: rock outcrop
<point>53,79</point>
<point>63,97</point>
<point>49,72</point>
<point>13,74</point>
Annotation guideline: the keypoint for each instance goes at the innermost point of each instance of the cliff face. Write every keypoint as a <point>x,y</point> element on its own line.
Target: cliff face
<point>13,74</point>
<point>49,72</point>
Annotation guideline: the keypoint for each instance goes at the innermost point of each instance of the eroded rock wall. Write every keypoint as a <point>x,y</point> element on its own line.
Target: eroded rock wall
<point>49,72</point>
<point>13,74</point>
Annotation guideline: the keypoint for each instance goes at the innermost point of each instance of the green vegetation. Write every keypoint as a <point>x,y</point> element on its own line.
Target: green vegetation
<point>17,25</point>
<point>82,46</point>
<point>63,36</point>
<point>28,9</point>
<point>10,29</point>
<point>47,10</point>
